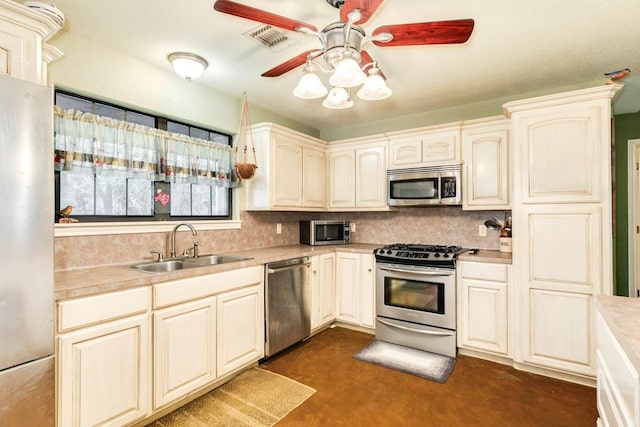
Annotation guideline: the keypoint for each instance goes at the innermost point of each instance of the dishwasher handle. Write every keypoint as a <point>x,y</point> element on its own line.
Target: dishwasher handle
<point>290,267</point>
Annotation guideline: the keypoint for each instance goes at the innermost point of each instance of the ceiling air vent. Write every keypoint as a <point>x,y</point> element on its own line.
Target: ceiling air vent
<point>271,37</point>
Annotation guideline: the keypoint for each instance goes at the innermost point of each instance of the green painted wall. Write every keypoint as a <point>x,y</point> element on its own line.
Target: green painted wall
<point>627,126</point>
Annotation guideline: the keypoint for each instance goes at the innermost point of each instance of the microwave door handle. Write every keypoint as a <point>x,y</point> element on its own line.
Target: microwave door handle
<point>415,330</point>
<point>422,272</point>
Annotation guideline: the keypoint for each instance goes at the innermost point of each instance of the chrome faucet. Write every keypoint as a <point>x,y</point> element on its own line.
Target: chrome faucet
<point>173,236</point>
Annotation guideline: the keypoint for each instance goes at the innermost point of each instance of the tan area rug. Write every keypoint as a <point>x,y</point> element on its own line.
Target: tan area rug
<point>255,397</point>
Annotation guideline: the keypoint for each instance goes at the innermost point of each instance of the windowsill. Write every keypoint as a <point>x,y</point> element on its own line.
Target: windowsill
<point>105,228</point>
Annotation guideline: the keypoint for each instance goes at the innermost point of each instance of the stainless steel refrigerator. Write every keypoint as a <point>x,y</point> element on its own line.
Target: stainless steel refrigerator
<point>27,379</point>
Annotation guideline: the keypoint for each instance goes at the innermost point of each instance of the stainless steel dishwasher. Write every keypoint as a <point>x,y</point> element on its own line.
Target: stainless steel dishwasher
<point>287,304</point>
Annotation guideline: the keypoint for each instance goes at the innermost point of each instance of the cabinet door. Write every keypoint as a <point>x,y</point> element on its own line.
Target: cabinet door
<point>564,153</point>
<point>485,154</point>
<point>184,349</point>
<point>441,146</point>
<point>559,331</point>
<point>484,315</point>
<point>370,176</point>
<point>240,328</point>
<point>560,270</point>
<point>348,288</point>
<point>104,373</point>
<point>368,291</point>
<point>323,290</point>
<point>287,170</point>
<point>342,176</point>
<point>405,152</point>
<point>314,178</point>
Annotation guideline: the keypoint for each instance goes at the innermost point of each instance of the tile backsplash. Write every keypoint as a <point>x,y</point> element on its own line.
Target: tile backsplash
<point>432,225</point>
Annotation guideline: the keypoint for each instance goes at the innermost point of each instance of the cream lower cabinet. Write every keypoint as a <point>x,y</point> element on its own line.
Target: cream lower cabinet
<point>357,177</point>
<point>618,395</point>
<point>104,359</point>
<point>240,328</point>
<point>204,328</point>
<point>483,307</point>
<point>355,289</point>
<point>323,290</point>
<point>486,179</point>
<point>184,349</point>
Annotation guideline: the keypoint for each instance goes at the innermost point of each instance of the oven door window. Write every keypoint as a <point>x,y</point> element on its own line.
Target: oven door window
<point>329,232</point>
<point>408,189</point>
<point>413,294</point>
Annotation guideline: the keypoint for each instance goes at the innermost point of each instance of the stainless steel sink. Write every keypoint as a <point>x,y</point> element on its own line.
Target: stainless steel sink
<point>170,265</point>
<point>213,259</point>
<point>163,266</point>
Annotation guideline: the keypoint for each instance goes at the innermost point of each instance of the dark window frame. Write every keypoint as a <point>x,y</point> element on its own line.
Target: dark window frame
<point>160,122</point>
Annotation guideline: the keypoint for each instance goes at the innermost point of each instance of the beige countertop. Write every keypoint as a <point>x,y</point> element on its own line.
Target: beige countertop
<point>622,315</point>
<point>90,281</point>
<point>486,255</point>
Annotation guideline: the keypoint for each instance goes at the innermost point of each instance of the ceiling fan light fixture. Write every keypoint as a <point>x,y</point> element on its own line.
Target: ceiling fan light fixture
<point>310,85</point>
<point>374,88</point>
<point>188,65</point>
<point>347,73</point>
<point>338,99</point>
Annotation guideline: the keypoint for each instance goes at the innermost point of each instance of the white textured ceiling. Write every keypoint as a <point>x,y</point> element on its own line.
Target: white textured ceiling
<point>517,47</point>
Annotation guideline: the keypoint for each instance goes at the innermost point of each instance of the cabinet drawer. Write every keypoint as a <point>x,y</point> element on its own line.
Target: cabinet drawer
<point>485,271</point>
<point>178,291</point>
<point>100,308</point>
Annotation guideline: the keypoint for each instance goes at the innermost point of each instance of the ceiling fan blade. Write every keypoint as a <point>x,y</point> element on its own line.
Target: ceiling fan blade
<point>438,32</point>
<point>365,59</point>
<point>367,9</point>
<point>289,65</point>
<point>237,9</point>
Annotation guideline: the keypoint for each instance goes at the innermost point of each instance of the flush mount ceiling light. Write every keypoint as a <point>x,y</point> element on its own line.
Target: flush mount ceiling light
<point>188,65</point>
<point>341,47</point>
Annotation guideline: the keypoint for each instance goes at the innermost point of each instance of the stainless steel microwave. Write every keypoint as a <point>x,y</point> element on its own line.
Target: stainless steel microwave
<point>329,232</point>
<point>434,185</point>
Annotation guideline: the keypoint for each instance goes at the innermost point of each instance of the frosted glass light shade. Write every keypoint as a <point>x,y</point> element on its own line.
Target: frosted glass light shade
<point>374,88</point>
<point>310,86</point>
<point>347,74</point>
<point>338,99</point>
<point>188,65</point>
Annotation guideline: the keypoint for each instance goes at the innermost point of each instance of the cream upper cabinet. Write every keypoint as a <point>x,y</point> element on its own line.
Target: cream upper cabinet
<point>483,307</point>
<point>104,359</point>
<point>486,176</point>
<point>562,225</point>
<point>291,171</point>
<point>355,289</point>
<point>323,290</point>
<point>357,176</point>
<point>435,145</point>
<point>23,33</point>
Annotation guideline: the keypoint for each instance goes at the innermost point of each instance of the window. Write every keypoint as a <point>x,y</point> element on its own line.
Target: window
<point>117,164</point>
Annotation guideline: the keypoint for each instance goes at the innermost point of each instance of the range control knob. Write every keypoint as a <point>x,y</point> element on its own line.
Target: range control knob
<point>437,255</point>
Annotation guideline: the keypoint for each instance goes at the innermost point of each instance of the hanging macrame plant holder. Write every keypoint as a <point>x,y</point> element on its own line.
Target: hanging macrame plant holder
<point>244,169</point>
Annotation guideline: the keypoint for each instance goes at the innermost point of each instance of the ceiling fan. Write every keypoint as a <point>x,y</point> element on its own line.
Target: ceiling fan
<point>342,41</point>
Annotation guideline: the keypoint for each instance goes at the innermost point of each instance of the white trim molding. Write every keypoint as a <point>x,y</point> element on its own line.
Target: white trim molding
<point>104,228</point>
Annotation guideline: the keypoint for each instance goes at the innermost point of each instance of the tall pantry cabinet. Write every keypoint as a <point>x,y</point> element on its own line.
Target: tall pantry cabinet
<point>562,225</point>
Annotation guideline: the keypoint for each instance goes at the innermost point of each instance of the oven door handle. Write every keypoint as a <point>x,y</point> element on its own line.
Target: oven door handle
<point>422,272</point>
<point>446,334</point>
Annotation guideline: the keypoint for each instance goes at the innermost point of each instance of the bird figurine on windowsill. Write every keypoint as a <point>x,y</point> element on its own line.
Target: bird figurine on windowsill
<point>63,215</point>
<point>616,75</point>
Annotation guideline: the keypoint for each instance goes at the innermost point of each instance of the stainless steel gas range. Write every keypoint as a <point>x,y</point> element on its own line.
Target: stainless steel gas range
<point>416,296</point>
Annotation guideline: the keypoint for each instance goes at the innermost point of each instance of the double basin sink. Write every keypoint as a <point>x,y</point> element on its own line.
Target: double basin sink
<point>175,264</point>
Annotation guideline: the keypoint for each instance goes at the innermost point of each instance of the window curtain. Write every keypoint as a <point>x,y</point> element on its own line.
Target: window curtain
<point>91,144</point>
